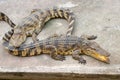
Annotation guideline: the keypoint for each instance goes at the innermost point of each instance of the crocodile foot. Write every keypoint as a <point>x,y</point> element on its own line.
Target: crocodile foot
<point>59,57</point>
<point>89,37</point>
<point>82,61</point>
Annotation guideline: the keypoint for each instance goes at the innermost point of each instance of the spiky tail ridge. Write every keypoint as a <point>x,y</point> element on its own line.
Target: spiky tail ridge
<point>66,14</point>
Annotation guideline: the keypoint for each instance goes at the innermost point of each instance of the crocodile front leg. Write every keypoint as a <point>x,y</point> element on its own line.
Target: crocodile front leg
<point>76,56</point>
<point>34,37</point>
<point>53,53</point>
<point>35,34</point>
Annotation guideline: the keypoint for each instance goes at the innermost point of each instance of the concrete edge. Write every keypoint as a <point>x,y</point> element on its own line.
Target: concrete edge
<point>110,70</point>
<point>57,76</point>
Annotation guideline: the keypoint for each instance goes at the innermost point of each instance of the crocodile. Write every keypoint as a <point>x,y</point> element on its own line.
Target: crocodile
<point>33,24</point>
<point>59,46</point>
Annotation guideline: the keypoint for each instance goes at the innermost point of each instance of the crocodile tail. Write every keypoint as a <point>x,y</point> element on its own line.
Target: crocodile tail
<point>23,50</point>
<point>6,39</point>
<point>4,17</point>
<point>71,20</point>
<point>65,14</point>
<point>8,35</point>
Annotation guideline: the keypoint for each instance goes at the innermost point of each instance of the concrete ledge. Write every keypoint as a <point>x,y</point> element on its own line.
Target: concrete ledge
<point>57,76</point>
<point>58,73</point>
<point>98,17</point>
<point>82,69</point>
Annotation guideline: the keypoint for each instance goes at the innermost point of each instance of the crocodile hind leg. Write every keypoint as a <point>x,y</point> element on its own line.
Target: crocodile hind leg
<point>53,53</point>
<point>54,35</point>
<point>76,56</point>
<point>34,10</point>
<point>89,37</point>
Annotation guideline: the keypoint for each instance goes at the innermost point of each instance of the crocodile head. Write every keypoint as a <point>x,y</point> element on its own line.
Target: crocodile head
<point>92,49</point>
<point>18,37</point>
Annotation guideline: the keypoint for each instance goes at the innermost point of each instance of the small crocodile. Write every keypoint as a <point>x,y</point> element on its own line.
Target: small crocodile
<point>60,46</point>
<point>32,24</point>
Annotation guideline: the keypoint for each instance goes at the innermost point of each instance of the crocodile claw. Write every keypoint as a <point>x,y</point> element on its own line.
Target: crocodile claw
<point>82,61</point>
<point>60,57</point>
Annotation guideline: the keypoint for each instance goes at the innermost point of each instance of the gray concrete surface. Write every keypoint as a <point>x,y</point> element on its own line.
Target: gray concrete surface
<point>98,17</point>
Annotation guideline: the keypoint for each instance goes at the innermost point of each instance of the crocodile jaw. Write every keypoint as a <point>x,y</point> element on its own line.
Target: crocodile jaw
<point>96,55</point>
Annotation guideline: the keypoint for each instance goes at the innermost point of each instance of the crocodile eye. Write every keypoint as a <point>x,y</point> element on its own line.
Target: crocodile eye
<point>93,48</point>
<point>94,45</point>
<point>89,49</point>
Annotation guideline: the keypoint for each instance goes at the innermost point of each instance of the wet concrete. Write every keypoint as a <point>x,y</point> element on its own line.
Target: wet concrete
<point>98,17</point>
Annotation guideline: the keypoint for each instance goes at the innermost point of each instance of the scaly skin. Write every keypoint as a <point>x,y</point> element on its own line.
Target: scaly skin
<point>59,46</point>
<point>5,18</point>
<point>33,24</point>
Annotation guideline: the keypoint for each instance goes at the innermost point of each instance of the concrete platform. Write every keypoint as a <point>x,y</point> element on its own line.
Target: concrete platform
<point>98,17</point>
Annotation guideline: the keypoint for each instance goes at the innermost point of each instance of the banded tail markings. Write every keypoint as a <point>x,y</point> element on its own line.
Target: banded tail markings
<point>5,18</point>
<point>63,13</point>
